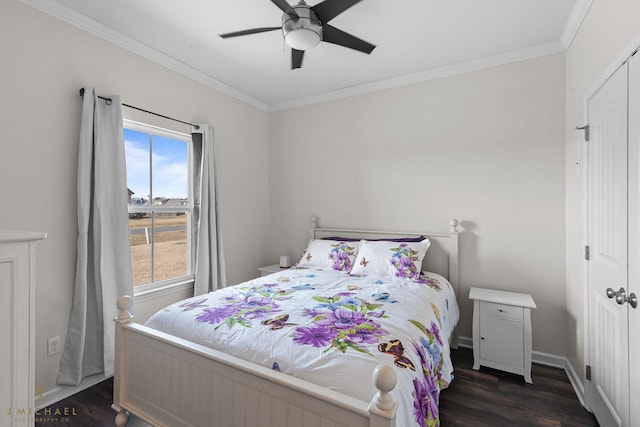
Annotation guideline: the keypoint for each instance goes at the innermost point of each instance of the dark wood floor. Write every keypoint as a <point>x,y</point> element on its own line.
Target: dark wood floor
<point>493,398</point>
<point>475,399</point>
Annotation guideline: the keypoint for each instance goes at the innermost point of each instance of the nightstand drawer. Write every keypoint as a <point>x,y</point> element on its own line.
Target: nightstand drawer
<point>502,311</point>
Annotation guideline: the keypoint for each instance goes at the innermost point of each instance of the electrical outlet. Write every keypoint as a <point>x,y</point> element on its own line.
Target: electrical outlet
<point>53,346</point>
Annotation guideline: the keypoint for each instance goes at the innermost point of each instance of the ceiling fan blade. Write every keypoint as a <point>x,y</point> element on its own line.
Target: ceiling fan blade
<point>333,35</point>
<point>285,7</point>
<point>329,9</point>
<point>247,32</point>
<point>296,58</point>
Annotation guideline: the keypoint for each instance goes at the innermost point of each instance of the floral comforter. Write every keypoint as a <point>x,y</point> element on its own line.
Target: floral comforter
<point>333,329</point>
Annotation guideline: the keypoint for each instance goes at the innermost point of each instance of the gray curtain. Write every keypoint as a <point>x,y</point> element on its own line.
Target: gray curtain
<point>209,255</point>
<point>103,264</point>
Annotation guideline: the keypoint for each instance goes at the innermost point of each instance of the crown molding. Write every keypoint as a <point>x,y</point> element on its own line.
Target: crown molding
<point>579,11</point>
<point>422,76</point>
<point>57,10</point>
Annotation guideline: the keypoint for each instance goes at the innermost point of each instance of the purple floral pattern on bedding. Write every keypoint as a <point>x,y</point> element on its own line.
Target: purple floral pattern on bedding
<point>403,260</point>
<point>258,302</point>
<point>342,255</point>
<point>429,281</point>
<point>427,386</point>
<point>342,322</point>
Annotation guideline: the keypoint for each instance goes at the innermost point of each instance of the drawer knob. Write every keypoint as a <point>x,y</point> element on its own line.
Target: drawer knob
<point>501,310</point>
<point>482,338</point>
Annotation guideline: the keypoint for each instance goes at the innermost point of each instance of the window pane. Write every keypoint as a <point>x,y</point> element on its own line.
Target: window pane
<point>170,250</point>
<point>141,235</point>
<point>170,171</point>
<point>136,145</point>
<point>158,183</point>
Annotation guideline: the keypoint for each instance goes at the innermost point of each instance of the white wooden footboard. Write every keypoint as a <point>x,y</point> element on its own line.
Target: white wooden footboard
<point>168,381</point>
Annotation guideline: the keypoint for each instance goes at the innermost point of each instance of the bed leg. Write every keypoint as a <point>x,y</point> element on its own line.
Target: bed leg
<point>122,418</point>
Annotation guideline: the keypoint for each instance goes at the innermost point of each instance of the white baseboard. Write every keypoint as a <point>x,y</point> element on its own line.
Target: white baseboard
<point>576,383</point>
<point>548,360</point>
<point>465,342</point>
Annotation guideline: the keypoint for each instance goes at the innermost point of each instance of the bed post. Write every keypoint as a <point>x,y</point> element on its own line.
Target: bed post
<point>454,270</point>
<point>454,273</point>
<point>124,307</point>
<point>313,226</point>
<point>382,407</point>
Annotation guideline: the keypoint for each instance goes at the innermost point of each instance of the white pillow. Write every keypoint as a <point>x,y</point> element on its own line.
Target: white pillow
<point>383,258</point>
<point>329,255</point>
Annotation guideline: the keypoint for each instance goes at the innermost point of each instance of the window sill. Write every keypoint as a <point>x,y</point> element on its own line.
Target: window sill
<point>158,291</point>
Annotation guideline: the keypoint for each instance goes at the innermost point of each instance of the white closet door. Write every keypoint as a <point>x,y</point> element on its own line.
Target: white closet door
<point>608,390</point>
<point>634,236</point>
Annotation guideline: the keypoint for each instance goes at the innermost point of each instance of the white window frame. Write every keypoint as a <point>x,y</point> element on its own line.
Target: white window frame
<point>187,280</point>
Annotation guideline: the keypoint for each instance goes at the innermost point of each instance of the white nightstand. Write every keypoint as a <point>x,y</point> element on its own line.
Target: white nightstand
<point>502,331</point>
<point>270,269</point>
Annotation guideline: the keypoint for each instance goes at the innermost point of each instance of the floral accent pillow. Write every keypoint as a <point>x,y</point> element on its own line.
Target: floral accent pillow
<point>329,255</point>
<point>400,259</point>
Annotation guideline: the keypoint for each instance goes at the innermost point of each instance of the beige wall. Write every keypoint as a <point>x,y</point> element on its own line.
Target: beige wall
<point>608,29</point>
<point>43,63</point>
<point>486,147</point>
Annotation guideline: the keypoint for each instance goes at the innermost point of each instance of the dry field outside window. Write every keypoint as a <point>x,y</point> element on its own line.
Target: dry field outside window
<point>170,248</point>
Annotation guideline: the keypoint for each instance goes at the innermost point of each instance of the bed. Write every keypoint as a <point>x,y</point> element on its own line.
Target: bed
<point>343,339</point>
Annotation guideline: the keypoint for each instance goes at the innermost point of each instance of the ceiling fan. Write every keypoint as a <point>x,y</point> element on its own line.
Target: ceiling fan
<point>305,26</point>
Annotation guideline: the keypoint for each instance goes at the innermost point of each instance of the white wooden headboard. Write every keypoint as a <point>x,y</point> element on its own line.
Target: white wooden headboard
<point>442,256</point>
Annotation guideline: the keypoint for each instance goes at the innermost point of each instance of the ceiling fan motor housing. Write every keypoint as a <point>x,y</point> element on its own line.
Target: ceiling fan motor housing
<point>303,32</point>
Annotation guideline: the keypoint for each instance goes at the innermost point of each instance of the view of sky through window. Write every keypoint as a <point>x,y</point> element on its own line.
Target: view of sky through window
<point>168,167</point>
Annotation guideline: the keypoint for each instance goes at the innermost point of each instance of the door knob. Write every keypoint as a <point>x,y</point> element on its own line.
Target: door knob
<point>633,300</point>
<point>620,295</point>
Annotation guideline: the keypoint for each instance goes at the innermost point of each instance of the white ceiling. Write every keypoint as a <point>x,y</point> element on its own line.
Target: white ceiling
<point>416,40</point>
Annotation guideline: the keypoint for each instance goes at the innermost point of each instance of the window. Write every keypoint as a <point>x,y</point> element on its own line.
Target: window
<point>160,205</point>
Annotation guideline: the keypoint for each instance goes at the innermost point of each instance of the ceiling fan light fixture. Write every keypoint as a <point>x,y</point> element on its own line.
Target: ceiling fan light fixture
<point>303,32</point>
<point>302,39</point>
<point>302,28</point>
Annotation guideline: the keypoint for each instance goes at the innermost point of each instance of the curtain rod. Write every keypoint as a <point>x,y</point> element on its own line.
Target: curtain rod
<point>108,100</point>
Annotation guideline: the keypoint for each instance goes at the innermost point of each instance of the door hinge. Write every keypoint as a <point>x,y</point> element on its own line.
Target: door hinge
<point>586,253</point>
<point>586,131</point>
<point>588,372</point>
